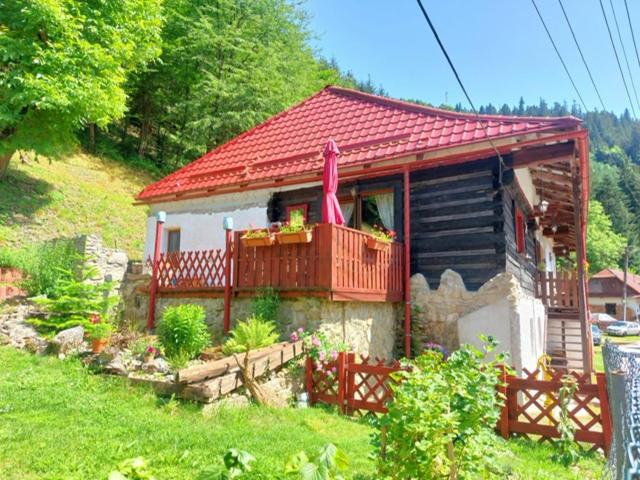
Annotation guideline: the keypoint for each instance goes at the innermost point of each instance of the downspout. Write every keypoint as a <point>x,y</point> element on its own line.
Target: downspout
<point>161,217</point>
<point>407,264</point>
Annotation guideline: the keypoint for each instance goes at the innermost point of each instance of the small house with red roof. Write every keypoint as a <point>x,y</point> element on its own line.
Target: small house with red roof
<point>606,293</point>
<point>482,205</point>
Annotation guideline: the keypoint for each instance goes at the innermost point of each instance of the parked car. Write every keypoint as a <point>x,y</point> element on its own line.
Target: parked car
<point>623,329</point>
<point>603,320</point>
<point>596,335</point>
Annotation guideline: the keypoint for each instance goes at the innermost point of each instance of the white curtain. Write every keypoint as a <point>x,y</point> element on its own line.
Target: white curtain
<point>347,211</point>
<point>384,203</point>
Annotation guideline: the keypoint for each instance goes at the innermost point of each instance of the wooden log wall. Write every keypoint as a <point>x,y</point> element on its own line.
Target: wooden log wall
<point>457,222</point>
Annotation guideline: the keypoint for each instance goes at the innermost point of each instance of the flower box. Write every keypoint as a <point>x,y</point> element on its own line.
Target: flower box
<point>375,244</point>
<point>265,241</point>
<point>303,236</point>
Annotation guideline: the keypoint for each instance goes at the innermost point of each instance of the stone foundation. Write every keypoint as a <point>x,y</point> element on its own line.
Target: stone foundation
<point>370,327</point>
<point>452,316</point>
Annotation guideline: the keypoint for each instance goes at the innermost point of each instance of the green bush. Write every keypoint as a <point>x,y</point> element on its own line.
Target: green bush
<point>253,333</point>
<point>46,265</point>
<point>74,302</point>
<point>441,420</point>
<point>183,333</point>
<point>266,305</point>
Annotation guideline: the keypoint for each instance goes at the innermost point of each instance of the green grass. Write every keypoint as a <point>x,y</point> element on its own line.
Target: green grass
<point>78,194</point>
<point>58,421</point>
<point>598,364</point>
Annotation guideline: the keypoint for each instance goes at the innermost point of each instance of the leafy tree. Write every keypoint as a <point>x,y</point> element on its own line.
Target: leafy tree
<point>604,246</point>
<point>64,65</point>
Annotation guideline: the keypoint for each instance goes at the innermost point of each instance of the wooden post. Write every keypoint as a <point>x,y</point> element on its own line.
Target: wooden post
<point>407,264</point>
<point>226,323</point>
<point>350,382</point>
<point>153,288</point>
<point>580,260</point>
<point>605,411</point>
<point>503,423</point>
<point>309,380</point>
<point>342,384</point>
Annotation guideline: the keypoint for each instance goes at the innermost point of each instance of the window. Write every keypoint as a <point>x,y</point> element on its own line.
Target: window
<point>296,211</point>
<point>610,308</point>
<point>520,231</point>
<point>374,207</point>
<point>173,240</point>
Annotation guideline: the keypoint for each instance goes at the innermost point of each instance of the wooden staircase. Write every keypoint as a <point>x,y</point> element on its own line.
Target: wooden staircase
<point>566,329</point>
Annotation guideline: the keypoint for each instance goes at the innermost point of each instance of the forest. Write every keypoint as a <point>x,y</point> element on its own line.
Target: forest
<point>157,84</point>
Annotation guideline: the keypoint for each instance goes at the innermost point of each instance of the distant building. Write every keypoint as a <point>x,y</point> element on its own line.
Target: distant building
<point>606,293</point>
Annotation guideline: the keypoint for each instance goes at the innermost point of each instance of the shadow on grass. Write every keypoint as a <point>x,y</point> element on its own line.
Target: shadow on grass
<point>21,196</point>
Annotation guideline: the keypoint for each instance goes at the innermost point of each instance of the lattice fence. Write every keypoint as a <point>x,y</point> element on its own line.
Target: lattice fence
<point>532,408</point>
<point>191,270</point>
<point>354,383</point>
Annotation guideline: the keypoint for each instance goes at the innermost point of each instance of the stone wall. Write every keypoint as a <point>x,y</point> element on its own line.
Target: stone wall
<point>368,326</point>
<point>111,263</point>
<point>451,316</point>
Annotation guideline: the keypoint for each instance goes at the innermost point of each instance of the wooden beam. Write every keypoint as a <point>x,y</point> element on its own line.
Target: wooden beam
<point>544,155</point>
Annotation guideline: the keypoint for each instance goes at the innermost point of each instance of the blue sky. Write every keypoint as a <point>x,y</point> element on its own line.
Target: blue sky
<point>498,46</point>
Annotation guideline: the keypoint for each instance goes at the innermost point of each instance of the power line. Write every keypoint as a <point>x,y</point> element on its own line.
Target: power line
<point>464,90</point>
<point>624,52</point>
<point>559,55</point>
<point>615,51</point>
<point>584,61</point>
<point>633,35</point>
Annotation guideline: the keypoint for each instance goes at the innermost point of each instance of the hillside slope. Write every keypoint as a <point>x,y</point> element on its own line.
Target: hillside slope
<point>75,195</point>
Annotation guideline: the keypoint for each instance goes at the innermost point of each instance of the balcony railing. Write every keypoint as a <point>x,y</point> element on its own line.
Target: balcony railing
<point>336,263</point>
<point>558,290</point>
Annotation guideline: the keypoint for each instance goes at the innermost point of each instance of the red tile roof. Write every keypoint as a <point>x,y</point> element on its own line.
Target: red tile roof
<point>366,128</point>
<point>633,281</point>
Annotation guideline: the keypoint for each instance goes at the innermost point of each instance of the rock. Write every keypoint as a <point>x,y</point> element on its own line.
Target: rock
<point>67,340</point>
<point>116,367</point>
<point>35,345</point>
<point>162,366</point>
<point>4,339</point>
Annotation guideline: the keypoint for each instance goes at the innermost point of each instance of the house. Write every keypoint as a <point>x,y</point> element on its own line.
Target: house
<point>482,205</point>
<point>606,293</point>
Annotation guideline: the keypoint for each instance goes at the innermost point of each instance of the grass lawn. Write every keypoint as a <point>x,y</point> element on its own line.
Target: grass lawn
<point>598,364</point>
<point>76,194</point>
<point>58,421</point>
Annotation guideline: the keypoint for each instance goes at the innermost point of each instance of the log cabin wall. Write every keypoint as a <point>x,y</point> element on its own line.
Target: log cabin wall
<point>522,265</point>
<point>457,222</point>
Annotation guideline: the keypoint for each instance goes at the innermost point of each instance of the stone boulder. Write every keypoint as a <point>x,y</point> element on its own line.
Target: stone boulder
<point>67,340</point>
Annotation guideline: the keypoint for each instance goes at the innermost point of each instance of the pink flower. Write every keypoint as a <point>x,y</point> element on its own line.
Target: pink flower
<point>300,330</point>
<point>294,337</point>
<point>315,341</point>
<point>151,350</point>
<point>334,355</point>
<point>321,356</point>
<point>334,370</point>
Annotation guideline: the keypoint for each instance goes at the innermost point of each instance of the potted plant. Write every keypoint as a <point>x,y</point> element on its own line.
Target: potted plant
<point>380,238</point>
<point>99,335</point>
<point>295,231</point>
<point>149,354</point>
<point>257,237</point>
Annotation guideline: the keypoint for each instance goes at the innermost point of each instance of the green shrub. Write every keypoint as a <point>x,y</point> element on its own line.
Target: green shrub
<point>46,265</point>
<point>253,333</point>
<point>266,305</point>
<point>100,331</point>
<point>74,302</point>
<point>183,333</point>
<point>441,420</point>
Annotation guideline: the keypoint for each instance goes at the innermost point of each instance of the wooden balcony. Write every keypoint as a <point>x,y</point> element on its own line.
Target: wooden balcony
<point>558,290</point>
<point>336,264</point>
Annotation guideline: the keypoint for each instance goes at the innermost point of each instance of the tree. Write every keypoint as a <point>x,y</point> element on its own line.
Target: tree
<point>604,246</point>
<point>64,65</point>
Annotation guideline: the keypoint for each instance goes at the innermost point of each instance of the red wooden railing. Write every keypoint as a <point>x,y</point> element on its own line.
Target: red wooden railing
<point>558,290</point>
<point>192,270</point>
<point>337,260</point>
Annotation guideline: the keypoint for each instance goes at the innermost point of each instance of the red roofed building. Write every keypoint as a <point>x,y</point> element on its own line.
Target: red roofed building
<point>606,292</point>
<point>482,196</point>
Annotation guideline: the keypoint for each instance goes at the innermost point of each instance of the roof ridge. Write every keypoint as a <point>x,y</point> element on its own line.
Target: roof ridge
<point>440,111</point>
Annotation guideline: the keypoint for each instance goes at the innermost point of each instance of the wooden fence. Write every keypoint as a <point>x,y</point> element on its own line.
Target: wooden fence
<point>558,290</point>
<point>191,270</point>
<point>10,279</point>
<point>531,405</point>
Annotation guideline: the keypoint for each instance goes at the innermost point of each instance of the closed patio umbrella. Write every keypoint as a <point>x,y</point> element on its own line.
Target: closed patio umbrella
<point>331,212</point>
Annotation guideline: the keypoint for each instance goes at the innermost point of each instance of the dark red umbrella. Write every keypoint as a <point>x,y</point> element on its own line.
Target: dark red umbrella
<point>331,212</point>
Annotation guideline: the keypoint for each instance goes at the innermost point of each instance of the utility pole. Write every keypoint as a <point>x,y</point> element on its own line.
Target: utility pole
<point>624,291</point>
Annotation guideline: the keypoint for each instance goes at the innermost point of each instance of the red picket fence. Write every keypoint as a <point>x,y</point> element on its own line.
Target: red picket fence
<point>531,406</point>
<point>9,283</point>
<point>357,384</point>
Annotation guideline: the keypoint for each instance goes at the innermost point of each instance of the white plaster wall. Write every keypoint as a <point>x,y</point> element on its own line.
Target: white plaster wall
<point>523,176</point>
<point>632,303</point>
<point>518,322</point>
<point>200,220</point>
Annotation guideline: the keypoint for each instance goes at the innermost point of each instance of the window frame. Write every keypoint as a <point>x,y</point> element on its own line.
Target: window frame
<point>172,231</point>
